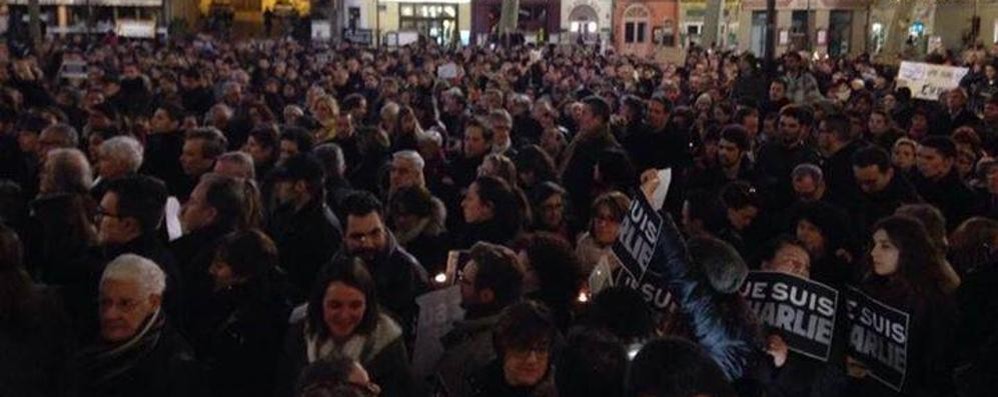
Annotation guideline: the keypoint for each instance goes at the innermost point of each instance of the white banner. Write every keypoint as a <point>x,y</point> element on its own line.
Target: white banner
<point>136,28</point>
<point>927,81</point>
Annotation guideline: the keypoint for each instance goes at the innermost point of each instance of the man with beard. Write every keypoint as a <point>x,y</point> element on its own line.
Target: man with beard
<point>398,276</point>
<point>305,229</point>
<point>732,163</point>
<point>778,157</point>
<point>491,281</point>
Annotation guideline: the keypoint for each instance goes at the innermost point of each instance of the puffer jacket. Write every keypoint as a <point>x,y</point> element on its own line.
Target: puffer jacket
<point>732,346</point>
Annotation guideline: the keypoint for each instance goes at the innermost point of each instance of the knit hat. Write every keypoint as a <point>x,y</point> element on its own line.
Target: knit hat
<point>720,262</point>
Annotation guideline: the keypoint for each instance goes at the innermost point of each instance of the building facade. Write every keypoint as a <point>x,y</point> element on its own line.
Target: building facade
<point>647,28</point>
<point>692,17</point>
<point>833,27</point>
<point>538,19</point>
<point>71,16</point>
<point>587,21</point>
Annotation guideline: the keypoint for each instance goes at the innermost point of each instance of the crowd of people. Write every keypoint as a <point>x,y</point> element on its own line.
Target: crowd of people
<point>257,218</point>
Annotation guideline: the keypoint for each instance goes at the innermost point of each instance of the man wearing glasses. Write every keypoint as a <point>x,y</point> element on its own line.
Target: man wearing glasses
<point>127,221</point>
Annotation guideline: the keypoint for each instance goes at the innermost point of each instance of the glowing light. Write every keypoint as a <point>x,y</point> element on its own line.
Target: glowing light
<point>440,278</point>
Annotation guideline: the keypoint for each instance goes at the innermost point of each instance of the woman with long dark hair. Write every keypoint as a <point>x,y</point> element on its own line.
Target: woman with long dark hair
<point>903,273</point>
<point>491,212</point>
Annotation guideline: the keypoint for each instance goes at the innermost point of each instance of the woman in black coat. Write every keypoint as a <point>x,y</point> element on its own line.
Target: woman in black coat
<point>343,317</point>
<point>903,274</point>
<point>238,335</point>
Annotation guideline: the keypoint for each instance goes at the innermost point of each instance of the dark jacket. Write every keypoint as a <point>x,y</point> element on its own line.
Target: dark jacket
<point>491,382</point>
<point>195,251</point>
<point>930,354</point>
<point>467,349</point>
<point>149,247</point>
<point>872,207</point>
<point>490,231</point>
<point>464,170</point>
<point>731,344</point>
<point>429,241</point>
<point>713,178</point>
<point>168,369</point>
<point>399,279</point>
<point>198,100</point>
<point>384,357</point>
<point>36,349</point>
<point>948,122</point>
<point>57,255</point>
<point>239,338</point>
<point>306,240</point>
<point>580,161</point>
<point>951,195</point>
<point>162,160</point>
<point>842,187</point>
<point>773,167</point>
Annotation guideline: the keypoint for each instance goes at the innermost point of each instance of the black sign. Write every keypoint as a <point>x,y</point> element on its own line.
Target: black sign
<point>634,249</point>
<point>878,337</point>
<point>638,236</point>
<point>803,310</point>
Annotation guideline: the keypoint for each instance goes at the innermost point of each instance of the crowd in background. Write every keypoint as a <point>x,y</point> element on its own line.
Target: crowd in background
<point>202,217</point>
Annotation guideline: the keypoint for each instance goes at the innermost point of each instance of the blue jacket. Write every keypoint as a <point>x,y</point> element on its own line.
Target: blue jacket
<point>732,345</point>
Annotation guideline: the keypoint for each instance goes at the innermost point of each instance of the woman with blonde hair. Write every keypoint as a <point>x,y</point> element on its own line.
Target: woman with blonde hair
<point>326,111</point>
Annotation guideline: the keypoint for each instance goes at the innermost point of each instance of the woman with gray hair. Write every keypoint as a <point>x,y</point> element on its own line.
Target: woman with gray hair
<point>138,352</point>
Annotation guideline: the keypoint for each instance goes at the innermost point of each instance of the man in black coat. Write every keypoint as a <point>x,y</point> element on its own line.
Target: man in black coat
<point>938,182</point>
<point>778,157</point>
<point>581,156</point>
<point>732,162</point>
<point>838,145</point>
<point>883,190</point>
<point>398,276</point>
<point>217,207</point>
<point>127,221</point>
<point>955,114</point>
<point>306,231</point>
